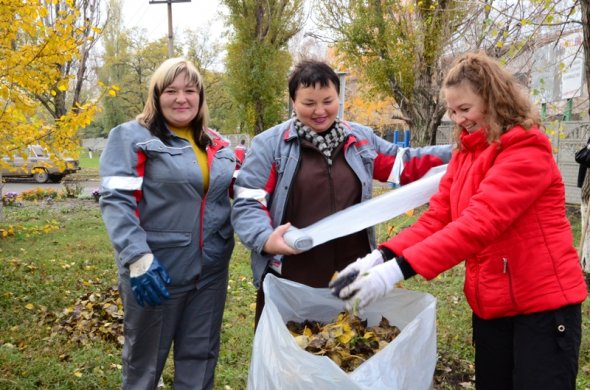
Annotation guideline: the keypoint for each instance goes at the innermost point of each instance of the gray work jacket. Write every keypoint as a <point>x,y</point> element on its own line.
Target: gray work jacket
<point>152,200</point>
<point>263,183</point>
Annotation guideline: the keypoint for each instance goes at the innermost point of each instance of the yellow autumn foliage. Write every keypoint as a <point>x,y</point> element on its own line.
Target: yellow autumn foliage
<point>32,53</point>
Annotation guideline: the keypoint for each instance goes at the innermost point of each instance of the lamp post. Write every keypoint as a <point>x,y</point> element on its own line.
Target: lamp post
<point>170,30</point>
<point>342,77</point>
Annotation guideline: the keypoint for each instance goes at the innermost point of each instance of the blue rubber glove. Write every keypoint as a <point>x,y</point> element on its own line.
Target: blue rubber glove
<point>148,278</point>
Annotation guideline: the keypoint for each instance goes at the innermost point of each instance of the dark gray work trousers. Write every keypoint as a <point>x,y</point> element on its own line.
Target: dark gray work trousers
<point>191,319</point>
<point>528,352</point>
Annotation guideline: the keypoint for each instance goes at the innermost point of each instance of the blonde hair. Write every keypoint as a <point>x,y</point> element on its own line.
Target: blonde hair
<point>507,103</point>
<point>152,117</point>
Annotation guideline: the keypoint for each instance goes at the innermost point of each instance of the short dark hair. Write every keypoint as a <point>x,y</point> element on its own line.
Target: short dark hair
<point>311,72</point>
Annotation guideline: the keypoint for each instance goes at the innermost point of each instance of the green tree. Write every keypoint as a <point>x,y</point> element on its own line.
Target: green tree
<point>258,61</point>
<point>128,61</point>
<point>35,52</point>
<point>205,52</point>
<point>585,193</point>
<point>404,48</point>
<point>87,24</point>
<point>115,45</point>
<point>397,46</point>
<point>201,48</point>
<point>585,11</point>
<point>220,102</point>
<point>33,56</point>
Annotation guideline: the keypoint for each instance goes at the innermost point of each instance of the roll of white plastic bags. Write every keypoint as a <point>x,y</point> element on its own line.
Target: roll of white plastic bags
<point>277,362</point>
<point>365,214</point>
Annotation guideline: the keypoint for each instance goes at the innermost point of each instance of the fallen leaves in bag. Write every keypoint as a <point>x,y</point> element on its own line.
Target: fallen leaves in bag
<point>347,341</point>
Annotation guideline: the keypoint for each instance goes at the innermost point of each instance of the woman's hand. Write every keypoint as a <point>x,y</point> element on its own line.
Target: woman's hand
<point>276,244</point>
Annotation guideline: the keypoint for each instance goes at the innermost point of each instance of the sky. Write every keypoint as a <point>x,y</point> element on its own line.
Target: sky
<point>154,17</point>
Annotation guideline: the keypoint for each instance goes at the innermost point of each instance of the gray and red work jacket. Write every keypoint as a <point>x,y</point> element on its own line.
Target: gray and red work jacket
<point>153,201</point>
<point>264,184</point>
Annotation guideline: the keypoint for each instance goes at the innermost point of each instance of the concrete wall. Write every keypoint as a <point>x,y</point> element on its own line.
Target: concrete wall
<point>567,138</point>
<point>94,144</point>
<point>98,144</point>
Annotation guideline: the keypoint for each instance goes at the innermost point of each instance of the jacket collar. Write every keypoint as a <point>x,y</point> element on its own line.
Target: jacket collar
<point>217,140</point>
<point>475,140</point>
<point>290,132</point>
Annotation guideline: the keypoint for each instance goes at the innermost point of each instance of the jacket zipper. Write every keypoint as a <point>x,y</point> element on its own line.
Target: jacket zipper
<point>210,158</point>
<point>332,195</point>
<point>506,270</point>
<point>290,188</point>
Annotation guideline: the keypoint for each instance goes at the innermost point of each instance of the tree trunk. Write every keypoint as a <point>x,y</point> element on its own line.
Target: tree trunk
<point>585,237</point>
<point>584,245</point>
<point>1,195</point>
<point>259,125</point>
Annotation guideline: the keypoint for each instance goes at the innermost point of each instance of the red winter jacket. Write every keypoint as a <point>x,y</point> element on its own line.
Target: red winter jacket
<point>501,208</point>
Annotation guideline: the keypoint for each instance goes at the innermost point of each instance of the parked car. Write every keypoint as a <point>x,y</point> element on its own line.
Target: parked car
<point>39,165</point>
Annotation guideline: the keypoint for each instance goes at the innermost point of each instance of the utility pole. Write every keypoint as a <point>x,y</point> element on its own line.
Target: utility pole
<point>170,29</point>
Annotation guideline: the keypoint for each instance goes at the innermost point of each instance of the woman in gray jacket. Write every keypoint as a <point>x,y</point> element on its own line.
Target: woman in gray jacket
<point>308,168</point>
<point>165,203</point>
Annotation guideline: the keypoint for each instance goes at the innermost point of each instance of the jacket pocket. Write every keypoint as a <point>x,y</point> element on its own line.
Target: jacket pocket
<point>226,231</point>
<point>493,284</point>
<point>367,155</point>
<point>166,164</point>
<point>167,239</point>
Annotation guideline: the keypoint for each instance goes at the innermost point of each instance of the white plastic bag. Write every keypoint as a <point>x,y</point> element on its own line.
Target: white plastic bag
<point>407,363</point>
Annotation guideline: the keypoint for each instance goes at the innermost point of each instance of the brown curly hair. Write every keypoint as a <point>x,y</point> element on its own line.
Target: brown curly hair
<point>507,102</point>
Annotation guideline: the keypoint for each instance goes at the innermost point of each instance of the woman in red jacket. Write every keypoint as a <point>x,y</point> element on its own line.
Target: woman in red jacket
<point>501,209</point>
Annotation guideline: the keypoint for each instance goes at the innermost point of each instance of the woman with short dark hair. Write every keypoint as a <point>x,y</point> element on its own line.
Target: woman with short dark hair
<point>308,168</point>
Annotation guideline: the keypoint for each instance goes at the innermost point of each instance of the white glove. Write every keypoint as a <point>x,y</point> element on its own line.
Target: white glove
<point>372,285</point>
<point>360,266</point>
<point>140,266</point>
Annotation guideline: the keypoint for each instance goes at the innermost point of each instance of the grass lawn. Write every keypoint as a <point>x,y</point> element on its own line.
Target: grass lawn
<point>60,322</point>
<point>89,160</point>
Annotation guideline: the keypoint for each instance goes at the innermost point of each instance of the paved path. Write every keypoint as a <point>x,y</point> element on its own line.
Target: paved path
<point>20,185</point>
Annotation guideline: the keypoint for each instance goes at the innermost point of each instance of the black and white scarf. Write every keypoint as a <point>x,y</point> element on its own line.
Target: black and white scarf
<point>327,141</point>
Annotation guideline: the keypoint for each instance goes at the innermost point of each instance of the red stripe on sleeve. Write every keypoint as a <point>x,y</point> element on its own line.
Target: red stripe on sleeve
<point>417,167</point>
<point>269,187</point>
<point>140,169</point>
<point>383,167</point>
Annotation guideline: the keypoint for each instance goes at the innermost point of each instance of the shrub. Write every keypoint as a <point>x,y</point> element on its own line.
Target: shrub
<point>96,194</point>
<point>40,194</point>
<point>73,189</point>
<point>10,199</point>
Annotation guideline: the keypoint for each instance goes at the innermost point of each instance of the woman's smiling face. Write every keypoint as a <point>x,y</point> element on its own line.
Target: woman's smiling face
<point>179,102</point>
<point>466,108</point>
<point>317,106</point>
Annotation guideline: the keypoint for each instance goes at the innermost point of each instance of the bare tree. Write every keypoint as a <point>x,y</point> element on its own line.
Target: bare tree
<point>404,48</point>
<point>87,25</point>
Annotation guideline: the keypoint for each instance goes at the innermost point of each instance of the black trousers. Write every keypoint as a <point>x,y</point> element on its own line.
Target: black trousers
<point>528,352</point>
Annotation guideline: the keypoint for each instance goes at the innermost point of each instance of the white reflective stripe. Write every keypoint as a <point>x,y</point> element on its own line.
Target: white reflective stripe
<point>398,167</point>
<point>122,182</point>
<point>251,193</point>
<point>370,213</point>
